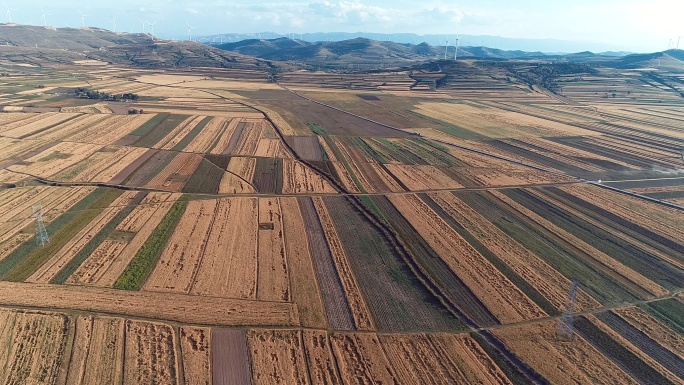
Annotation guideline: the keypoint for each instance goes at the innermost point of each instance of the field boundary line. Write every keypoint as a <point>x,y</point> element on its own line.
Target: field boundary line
<point>633,194</point>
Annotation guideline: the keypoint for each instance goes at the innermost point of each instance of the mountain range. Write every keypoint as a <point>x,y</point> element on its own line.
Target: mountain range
<point>33,44</point>
<point>503,43</point>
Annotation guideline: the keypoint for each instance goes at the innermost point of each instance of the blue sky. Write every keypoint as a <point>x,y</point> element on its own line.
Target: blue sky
<point>629,24</point>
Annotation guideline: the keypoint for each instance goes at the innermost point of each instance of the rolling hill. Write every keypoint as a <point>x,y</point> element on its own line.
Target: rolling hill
<point>36,45</point>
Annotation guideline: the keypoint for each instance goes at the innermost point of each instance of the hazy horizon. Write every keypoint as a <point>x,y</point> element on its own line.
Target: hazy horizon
<point>614,25</point>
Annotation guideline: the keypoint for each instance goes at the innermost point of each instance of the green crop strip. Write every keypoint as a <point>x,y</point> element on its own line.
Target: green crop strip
<point>146,258</point>
<point>192,134</point>
<point>150,124</point>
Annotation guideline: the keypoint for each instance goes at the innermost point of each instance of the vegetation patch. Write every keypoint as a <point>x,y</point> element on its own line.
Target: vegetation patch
<point>206,179</point>
<point>150,124</point>
<point>192,134</point>
<point>669,312</point>
<point>159,131</point>
<point>146,258</point>
<point>268,175</point>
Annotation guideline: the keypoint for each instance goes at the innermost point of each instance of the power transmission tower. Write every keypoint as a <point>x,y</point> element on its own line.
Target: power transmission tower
<point>41,232</point>
<point>565,330</point>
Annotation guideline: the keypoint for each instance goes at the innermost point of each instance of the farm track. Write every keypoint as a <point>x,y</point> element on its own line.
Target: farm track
<point>183,308</point>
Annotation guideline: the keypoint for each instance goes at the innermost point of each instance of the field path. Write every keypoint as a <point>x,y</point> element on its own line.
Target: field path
<point>159,306</point>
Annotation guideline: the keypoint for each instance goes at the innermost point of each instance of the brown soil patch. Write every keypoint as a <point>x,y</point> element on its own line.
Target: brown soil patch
<point>230,358</point>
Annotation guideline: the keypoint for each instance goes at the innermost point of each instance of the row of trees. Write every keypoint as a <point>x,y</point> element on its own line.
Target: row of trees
<point>85,93</point>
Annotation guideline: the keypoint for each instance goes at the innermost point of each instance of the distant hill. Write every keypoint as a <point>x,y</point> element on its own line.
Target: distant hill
<point>553,46</point>
<point>672,60</point>
<point>361,51</point>
<point>33,44</point>
<point>352,51</point>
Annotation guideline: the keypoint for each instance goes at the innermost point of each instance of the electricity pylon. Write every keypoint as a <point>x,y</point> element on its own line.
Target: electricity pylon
<point>565,330</point>
<point>41,232</point>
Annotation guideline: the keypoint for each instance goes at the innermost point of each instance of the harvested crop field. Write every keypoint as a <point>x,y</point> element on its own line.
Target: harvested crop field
<point>278,357</point>
<point>98,351</point>
<point>334,222</point>
<point>34,346</point>
<point>561,362</point>
<point>150,353</point>
<point>206,248</point>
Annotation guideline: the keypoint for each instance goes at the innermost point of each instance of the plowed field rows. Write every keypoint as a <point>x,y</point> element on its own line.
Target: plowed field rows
<point>540,275</point>
<point>379,267</point>
<point>304,288</point>
<point>650,326</point>
<point>263,224</point>
<point>337,308</point>
<point>502,298</point>
<point>357,304</point>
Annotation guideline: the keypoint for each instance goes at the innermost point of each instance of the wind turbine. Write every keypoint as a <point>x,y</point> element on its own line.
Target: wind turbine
<point>456,53</point>
<point>152,27</point>
<point>43,16</point>
<point>82,18</point>
<point>189,30</point>
<point>143,24</point>
<point>114,23</point>
<point>446,48</point>
<point>8,15</point>
<point>678,39</point>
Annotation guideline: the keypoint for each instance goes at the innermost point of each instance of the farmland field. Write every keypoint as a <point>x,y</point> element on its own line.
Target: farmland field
<point>272,226</point>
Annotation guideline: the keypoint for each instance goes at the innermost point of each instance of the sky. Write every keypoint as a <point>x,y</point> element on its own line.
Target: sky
<point>630,25</point>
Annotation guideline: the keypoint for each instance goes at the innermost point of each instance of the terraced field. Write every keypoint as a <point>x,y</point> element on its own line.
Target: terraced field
<point>417,227</point>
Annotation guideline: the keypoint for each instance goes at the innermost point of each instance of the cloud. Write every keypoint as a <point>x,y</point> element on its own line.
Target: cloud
<point>353,13</point>
<point>441,14</point>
